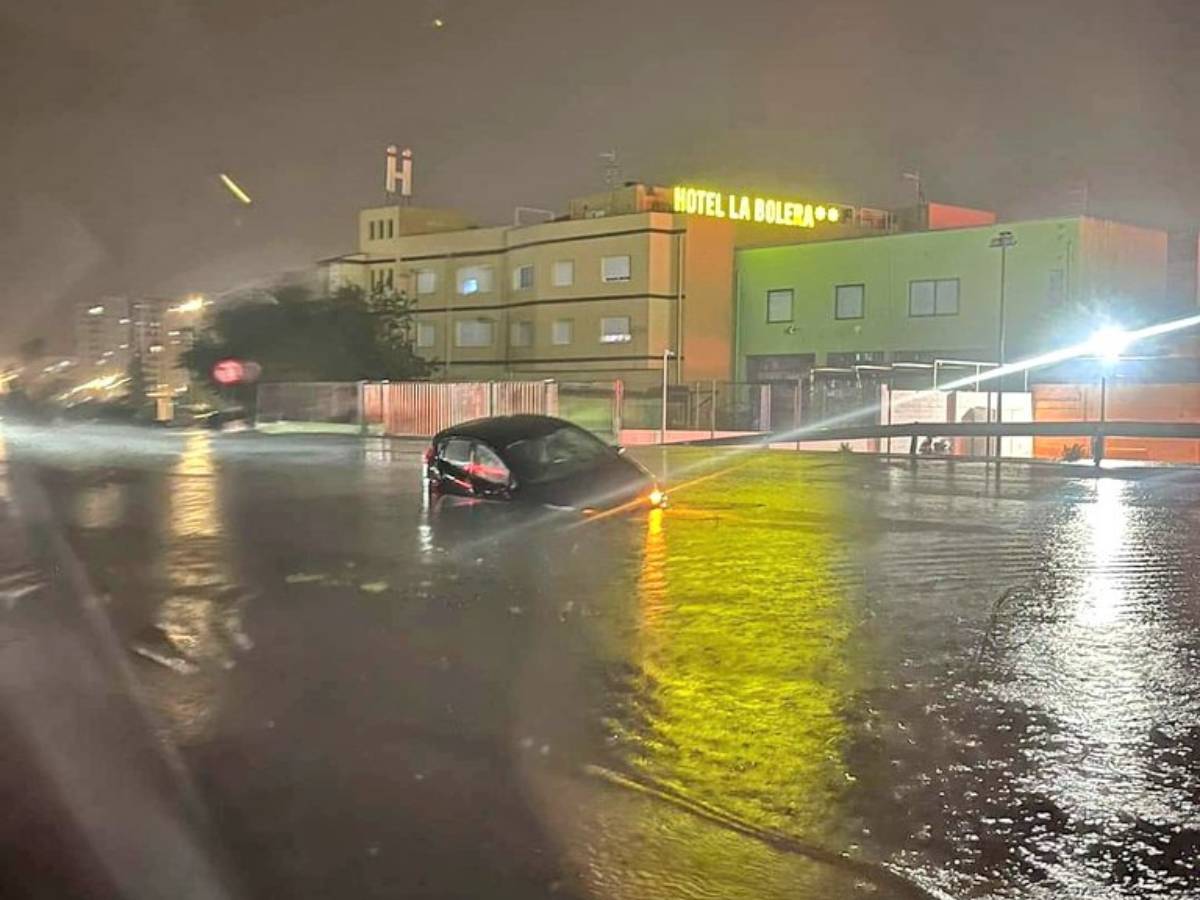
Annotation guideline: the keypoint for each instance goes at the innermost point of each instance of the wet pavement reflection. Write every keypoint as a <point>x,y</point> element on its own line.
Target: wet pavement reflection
<point>809,677</point>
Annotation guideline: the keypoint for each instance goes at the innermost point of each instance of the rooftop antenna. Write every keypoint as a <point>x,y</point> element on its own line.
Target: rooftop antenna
<point>399,174</point>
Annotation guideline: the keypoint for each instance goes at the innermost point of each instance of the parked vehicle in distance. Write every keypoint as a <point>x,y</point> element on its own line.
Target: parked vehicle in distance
<point>538,459</point>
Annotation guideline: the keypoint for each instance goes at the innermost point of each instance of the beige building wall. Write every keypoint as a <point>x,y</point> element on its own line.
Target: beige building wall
<point>677,295</point>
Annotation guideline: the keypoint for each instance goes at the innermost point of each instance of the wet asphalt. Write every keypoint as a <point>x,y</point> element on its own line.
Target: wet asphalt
<point>248,666</point>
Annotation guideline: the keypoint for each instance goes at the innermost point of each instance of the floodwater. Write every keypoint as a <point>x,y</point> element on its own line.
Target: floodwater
<point>811,676</point>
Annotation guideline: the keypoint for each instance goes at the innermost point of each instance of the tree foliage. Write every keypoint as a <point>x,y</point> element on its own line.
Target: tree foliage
<point>297,336</point>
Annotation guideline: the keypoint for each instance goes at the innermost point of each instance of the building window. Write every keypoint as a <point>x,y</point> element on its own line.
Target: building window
<point>389,277</point>
<point>426,281</point>
<point>564,273</point>
<point>474,280</point>
<point>779,305</point>
<point>933,297</point>
<point>562,332</point>
<point>371,227</point>
<point>615,268</point>
<point>522,278</point>
<point>426,334</point>
<point>391,228</point>
<point>473,333</point>
<point>520,334</point>
<point>848,301</point>
<point>615,330</point>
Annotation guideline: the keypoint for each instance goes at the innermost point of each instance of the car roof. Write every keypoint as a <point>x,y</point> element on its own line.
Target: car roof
<point>504,430</point>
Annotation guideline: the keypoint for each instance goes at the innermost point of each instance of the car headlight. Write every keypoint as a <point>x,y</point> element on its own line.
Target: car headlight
<point>657,498</point>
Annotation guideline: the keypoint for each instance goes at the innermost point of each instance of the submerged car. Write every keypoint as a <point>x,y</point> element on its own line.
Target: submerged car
<point>538,459</point>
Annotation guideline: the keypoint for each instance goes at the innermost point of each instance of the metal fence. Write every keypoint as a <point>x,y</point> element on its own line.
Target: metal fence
<point>327,402</point>
<point>711,406</point>
<point>422,408</point>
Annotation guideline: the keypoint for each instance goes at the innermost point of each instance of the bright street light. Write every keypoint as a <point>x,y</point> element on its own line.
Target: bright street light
<point>1109,343</point>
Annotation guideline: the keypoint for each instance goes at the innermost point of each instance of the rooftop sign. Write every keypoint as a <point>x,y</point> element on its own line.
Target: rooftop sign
<point>752,208</point>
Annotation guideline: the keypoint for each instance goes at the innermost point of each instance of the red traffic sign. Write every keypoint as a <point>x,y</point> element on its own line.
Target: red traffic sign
<point>229,371</point>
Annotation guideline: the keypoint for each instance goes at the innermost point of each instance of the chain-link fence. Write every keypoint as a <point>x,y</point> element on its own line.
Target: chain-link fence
<point>326,403</point>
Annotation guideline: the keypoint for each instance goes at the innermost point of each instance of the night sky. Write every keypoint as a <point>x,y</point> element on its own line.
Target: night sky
<point>118,117</point>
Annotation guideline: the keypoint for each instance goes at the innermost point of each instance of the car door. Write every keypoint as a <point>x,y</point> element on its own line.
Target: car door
<point>490,477</point>
<point>454,462</point>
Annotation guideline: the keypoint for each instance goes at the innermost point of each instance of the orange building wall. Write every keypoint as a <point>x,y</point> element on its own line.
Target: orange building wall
<point>1123,264</point>
<point>707,313</point>
<point>1124,402</point>
<point>943,215</point>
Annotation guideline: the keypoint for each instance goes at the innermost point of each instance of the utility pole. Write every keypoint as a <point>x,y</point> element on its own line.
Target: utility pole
<point>662,435</point>
<point>1002,241</point>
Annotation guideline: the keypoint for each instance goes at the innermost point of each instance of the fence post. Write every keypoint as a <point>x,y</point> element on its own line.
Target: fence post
<point>764,407</point>
<point>362,412</point>
<point>712,411</point>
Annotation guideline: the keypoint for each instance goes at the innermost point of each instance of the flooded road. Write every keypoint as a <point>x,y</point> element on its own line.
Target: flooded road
<point>809,677</point>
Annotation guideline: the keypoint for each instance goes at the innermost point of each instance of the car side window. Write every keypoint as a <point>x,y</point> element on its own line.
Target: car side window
<point>457,452</point>
<point>487,466</point>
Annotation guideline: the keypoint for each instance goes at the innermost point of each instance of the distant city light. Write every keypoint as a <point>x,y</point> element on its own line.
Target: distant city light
<point>235,189</point>
<point>438,23</point>
<point>96,311</point>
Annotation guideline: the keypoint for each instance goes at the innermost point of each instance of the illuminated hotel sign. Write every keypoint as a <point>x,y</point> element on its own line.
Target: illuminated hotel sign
<point>752,208</point>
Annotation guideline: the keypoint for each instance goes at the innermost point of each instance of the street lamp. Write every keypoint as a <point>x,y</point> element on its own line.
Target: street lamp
<point>1001,242</point>
<point>662,435</point>
<point>1107,345</point>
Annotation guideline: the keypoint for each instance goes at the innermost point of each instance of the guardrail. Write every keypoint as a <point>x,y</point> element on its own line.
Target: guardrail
<point>1092,430</point>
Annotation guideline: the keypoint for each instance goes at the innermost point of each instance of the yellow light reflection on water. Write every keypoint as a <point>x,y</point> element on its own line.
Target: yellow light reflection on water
<point>744,628</point>
<point>200,620</point>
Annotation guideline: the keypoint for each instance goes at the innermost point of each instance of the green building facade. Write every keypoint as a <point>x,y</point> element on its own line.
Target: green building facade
<point>935,295</point>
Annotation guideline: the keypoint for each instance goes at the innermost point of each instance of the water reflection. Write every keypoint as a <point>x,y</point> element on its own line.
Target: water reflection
<point>1114,674</point>
<point>198,626</point>
<point>100,506</point>
<point>741,670</point>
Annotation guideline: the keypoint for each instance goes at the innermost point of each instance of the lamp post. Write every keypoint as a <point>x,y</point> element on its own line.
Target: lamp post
<point>662,435</point>
<point>1001,242</point>
<point>1107,344</point>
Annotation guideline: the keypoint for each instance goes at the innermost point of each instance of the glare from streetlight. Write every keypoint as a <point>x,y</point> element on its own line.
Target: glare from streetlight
<point>194,303</point>
<point>1109,343</point>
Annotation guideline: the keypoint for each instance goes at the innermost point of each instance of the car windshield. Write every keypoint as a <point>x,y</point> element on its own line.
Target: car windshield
<point>563,452</point>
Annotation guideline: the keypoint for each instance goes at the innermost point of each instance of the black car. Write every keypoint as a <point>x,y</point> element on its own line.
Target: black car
<point>536,459</point>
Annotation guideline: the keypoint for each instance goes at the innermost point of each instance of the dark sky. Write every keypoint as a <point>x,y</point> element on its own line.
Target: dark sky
<point>117,117</point>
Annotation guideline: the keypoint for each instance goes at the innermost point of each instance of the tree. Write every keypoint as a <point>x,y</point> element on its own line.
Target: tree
<point>296,336</point>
